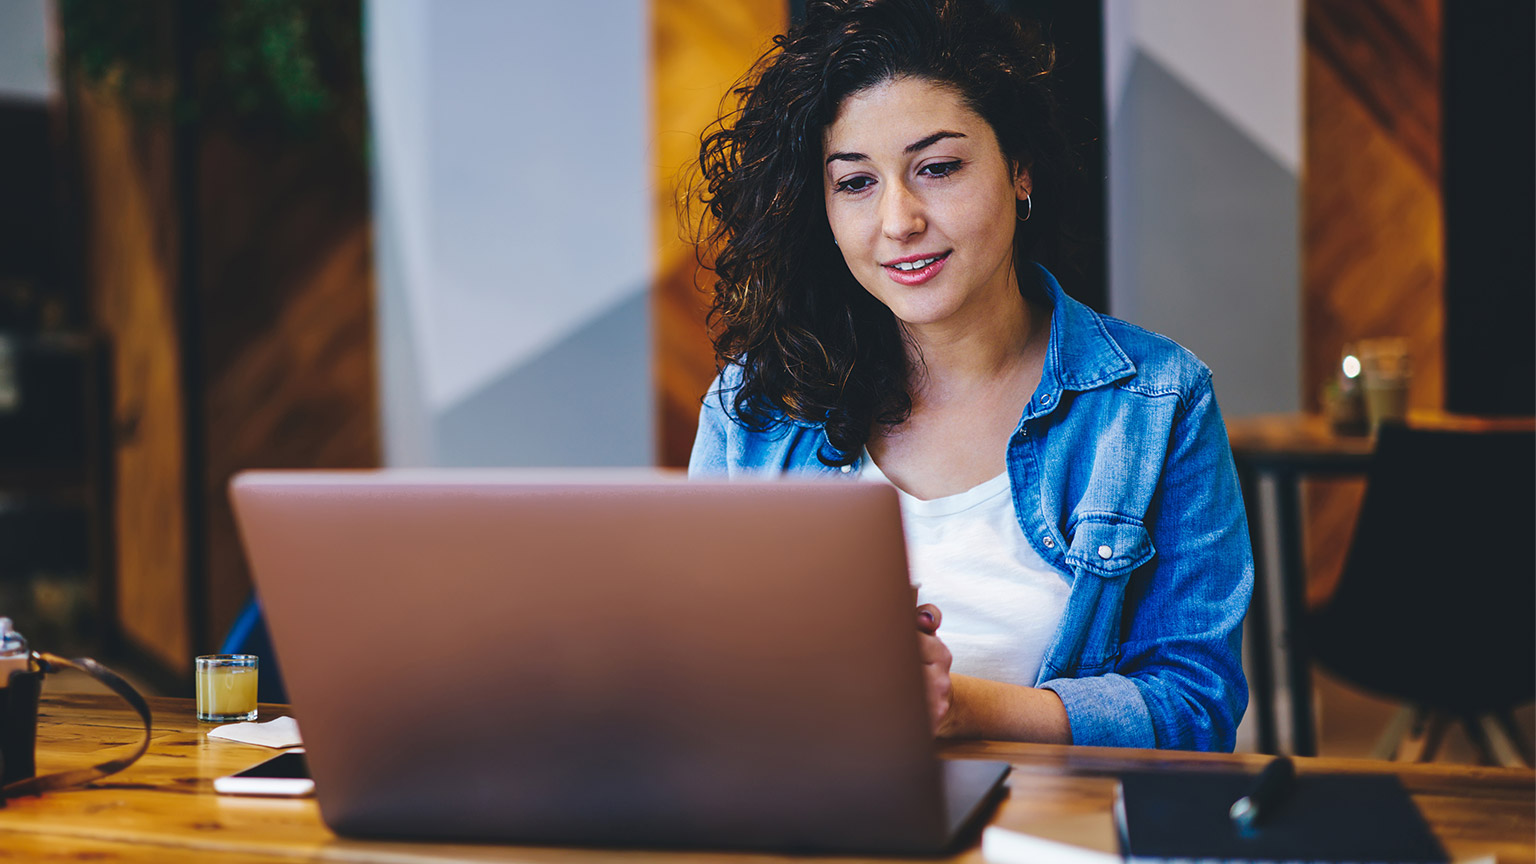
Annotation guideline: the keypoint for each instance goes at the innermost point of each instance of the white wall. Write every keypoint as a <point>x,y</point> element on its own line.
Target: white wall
<point>1242,57</point>
<point>512,204</point>
<point>1204,105</point>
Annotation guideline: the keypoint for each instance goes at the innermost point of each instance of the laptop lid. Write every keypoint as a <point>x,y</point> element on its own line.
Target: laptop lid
<point>600,658</point>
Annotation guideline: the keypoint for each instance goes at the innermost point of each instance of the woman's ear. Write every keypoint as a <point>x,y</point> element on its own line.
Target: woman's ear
<point>1022,183</point>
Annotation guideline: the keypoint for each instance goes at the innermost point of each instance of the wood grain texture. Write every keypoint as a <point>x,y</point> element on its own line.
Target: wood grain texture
<point>700,49</point>
<point>288,349</point>
<point>281,369</point>
<point>163,808</point>
<point>285,287</point>
<point>1386,54</point>
<point>37,849</point>
<point>131,247</point>
<point>1373,233</point>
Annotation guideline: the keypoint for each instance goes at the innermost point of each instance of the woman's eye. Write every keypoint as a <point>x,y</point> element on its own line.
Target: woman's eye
<point>853,184</point>
<point>940,169</point>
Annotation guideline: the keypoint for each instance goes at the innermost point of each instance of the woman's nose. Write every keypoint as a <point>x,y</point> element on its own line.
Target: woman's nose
<point>901,213</point>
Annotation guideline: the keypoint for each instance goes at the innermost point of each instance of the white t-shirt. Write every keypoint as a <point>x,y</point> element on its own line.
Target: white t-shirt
<point>1001,603</point>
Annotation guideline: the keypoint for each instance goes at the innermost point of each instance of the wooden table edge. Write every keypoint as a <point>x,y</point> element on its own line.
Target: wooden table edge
<point>1506,787</point>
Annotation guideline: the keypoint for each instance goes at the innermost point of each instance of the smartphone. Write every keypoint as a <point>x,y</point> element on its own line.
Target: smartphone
<point>282,776</point>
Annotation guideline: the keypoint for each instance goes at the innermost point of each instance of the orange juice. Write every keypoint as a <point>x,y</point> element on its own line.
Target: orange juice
<point>226,687</point>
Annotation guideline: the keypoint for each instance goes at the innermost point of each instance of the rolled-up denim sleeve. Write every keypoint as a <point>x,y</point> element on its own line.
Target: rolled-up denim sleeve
<point>1178,682</point>
<point>1105,711</point>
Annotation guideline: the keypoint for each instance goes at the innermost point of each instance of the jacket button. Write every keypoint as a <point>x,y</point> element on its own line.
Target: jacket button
<point>1045,398</point>
<point>1106,553</point>
<point>846,468</point>
<point>1049,543</point>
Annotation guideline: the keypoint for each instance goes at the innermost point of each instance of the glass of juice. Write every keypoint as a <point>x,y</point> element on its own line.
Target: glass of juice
<point>226,687</point>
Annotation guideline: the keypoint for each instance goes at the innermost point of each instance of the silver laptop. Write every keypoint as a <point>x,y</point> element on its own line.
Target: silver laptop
<point>605,659</point>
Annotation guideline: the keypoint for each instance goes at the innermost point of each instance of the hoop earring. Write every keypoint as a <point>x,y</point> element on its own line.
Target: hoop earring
<point>1028,209</point>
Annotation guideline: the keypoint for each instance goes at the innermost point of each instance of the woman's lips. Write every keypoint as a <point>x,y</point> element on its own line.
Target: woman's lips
<point>919,276</point>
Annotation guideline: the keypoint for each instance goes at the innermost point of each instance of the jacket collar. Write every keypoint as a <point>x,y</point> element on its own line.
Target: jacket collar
<point>1081,355</point>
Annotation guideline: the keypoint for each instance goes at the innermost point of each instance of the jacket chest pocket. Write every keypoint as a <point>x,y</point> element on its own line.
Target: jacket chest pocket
<point>1103,552</point>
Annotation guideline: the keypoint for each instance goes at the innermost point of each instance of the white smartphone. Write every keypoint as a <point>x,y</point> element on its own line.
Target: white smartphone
<point>282,776</point>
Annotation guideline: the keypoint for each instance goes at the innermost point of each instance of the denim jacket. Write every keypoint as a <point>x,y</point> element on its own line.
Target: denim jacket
<point>1122,477</point>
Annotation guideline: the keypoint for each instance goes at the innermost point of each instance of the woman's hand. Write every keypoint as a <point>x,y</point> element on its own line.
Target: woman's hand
<point>936,660</point>
<point>960,706</point>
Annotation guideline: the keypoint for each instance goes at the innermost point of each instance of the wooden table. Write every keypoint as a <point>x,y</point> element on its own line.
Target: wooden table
<point>163,809</point>
<point>1283,449</point>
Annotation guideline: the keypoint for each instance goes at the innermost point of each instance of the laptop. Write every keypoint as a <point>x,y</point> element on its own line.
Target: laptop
<point>600,658</point>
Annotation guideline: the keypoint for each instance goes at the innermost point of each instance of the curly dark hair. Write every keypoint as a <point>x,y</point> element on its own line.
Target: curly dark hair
<point>814,347</point>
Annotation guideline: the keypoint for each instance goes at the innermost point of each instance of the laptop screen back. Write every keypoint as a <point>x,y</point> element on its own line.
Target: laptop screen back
<point>598,658</point>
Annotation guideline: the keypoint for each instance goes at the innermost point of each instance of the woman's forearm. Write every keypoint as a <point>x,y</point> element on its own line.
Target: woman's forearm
<point>980,708</point>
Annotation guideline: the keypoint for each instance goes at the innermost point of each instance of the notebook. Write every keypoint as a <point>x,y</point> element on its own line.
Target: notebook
<point>611,659</point>
<point>1332,818</point>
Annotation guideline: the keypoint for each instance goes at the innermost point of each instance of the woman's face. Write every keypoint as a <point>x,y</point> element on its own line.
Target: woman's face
<point>922,202</point>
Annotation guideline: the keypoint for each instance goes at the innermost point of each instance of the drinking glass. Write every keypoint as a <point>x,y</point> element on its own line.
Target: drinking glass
<point>226,687</point>
<point>1386,372</point>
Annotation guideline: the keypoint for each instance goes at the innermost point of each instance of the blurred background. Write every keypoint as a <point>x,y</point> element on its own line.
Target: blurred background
<point>292,233</point>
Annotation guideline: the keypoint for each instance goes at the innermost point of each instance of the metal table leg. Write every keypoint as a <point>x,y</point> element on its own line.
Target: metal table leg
<point>1293,593</point>
<point>1261,675</point>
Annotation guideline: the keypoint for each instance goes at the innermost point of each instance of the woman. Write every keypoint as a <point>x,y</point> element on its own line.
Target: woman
<point>878,204</point>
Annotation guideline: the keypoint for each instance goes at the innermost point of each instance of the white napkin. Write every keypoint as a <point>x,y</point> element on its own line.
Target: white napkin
<point>1001,846</point>
<point>282,732</point>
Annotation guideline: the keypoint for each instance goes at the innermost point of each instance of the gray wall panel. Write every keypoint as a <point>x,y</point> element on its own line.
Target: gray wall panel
<point>1204,243</point>
<point>586,401</point>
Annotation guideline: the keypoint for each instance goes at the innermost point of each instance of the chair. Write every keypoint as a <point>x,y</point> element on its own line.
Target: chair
<point>248,635</point>
<point>1436,606</point>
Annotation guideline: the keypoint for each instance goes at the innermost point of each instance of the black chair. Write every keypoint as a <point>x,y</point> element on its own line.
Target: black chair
<point>1436,606</point>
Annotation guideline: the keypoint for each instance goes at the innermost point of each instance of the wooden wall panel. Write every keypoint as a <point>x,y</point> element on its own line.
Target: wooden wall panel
<point>1373,237</point>
<point>286,293</point>
<point>700,48</point>
<point>131,250</point>
<point>1373,248</point>
<point>264,358</point>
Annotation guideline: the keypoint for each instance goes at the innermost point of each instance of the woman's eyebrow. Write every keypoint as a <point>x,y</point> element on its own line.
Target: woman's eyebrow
<point>923,143</point>
<point>915,146</point>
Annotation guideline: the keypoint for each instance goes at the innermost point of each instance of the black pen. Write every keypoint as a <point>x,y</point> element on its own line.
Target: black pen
<point>1273,787</point>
